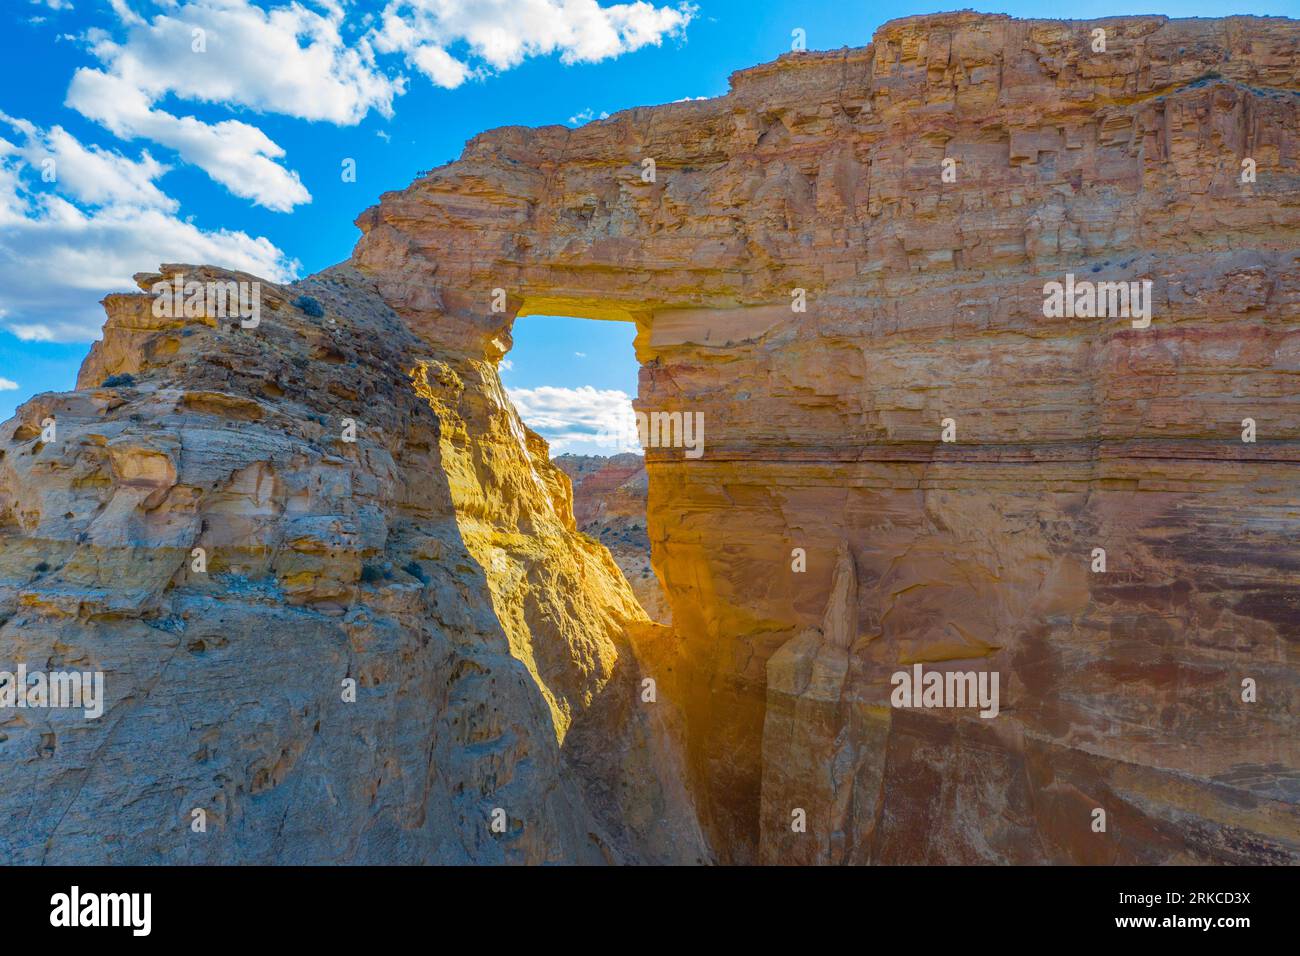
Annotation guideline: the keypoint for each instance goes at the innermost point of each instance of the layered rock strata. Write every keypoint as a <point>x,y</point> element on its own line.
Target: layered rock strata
<point>827,539</point>
<point>392,644</point>
<point>924,295</point>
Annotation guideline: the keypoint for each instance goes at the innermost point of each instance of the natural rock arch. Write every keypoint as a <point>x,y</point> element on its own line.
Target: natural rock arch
<point>504,673</point>
<point>823,172</point>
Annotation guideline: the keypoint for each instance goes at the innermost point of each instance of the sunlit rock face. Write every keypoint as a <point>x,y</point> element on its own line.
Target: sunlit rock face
<point>1121,690</point>
<point>393,644</point>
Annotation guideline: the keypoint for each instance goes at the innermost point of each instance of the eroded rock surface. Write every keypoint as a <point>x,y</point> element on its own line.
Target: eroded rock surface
<point>433,562</point>
<point>823,172</point>
<point>507,671</point>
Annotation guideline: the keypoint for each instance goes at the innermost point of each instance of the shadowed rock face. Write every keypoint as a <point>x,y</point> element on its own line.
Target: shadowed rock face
<point>822,171</point>
<point>499,654</point>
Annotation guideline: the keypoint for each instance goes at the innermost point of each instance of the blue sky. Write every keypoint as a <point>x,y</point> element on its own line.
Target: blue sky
<point>232,154</point>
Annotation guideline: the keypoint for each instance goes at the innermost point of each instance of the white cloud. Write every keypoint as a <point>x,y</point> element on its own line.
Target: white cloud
<point>579,354</point>
<point>125,13</point>
<point>571,416</point>
<point>90,174</point>
<point>58,259</point>
<point>500,34</point>
<point>294,60</point>
<point>239,156</point>
<point>8,385</point>
<point>289,60</point>
<point>586,116</point>
<point>438,65</point>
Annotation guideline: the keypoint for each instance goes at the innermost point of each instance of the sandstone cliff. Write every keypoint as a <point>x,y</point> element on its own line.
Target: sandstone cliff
<point>509,678</point>
<point>924,301</point>
<point>433,562</point>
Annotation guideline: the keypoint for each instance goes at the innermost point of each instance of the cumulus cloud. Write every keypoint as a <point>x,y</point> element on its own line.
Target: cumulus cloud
<point>570,416</point>
<point>586,116</point>
<point>7,385</point>
<point>289,60</point>
<point>239,156</point>
<point>90,174</point>
<point>58,257</point>
<point>499,34</point>
<point>125,13</point>
<point>293,59</point>
<point>437,64</point>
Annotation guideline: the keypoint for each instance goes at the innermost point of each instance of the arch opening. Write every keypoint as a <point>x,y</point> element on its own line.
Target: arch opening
<point>573,378</point>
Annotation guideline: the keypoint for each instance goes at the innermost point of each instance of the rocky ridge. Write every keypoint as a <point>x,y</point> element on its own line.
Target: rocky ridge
<point>824,172</point>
